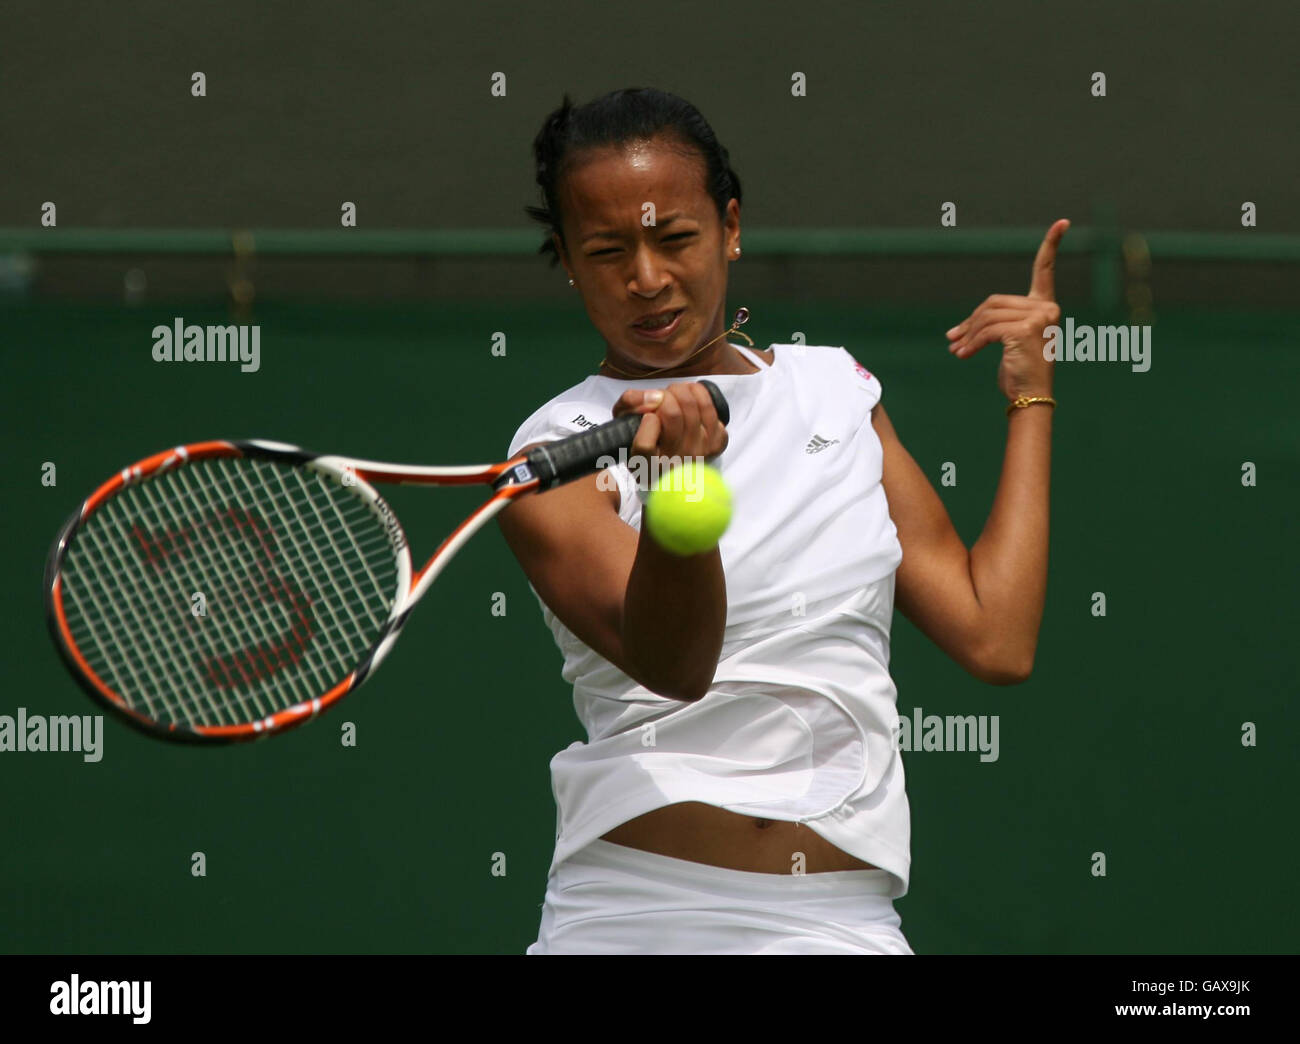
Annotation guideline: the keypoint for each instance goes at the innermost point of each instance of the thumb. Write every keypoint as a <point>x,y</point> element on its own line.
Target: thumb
<point>638,399</point>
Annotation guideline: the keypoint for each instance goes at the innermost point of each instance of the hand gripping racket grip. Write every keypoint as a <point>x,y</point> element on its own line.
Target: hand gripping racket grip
<point>558,462</point>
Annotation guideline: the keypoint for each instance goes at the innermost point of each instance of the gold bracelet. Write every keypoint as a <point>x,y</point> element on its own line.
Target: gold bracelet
<point>1029,400</point>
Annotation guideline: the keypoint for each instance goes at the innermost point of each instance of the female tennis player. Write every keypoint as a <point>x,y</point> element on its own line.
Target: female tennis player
<point>740,790</point>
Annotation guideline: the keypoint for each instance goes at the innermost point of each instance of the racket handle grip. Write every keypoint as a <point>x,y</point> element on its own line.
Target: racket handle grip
<point>555,463</point>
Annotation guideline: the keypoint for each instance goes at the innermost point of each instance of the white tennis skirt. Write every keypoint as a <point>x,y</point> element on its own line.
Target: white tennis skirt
<point>610,898</point>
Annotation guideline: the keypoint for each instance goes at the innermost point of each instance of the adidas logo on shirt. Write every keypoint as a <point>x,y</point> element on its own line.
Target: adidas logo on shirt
<point>816,444</point>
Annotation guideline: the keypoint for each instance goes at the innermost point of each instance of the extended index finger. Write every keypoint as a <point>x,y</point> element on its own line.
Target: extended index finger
<point>1042,285</point>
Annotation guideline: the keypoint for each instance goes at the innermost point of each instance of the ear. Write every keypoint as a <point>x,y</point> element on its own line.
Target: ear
<point>559,249</point>
<point>731,226</point>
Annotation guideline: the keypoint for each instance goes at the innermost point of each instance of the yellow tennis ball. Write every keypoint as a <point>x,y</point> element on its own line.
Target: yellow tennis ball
<point>688,509</point>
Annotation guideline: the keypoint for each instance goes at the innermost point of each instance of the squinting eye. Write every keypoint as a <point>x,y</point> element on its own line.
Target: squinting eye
<point>614,250</point>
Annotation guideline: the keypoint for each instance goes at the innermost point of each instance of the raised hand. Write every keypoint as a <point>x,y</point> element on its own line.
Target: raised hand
<point>1018,322</point>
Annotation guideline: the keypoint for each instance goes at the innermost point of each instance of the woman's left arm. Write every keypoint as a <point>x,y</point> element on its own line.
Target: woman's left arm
<point>983,606</point>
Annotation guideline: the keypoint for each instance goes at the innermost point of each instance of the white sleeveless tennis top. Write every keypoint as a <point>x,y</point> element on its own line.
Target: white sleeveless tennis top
<point>798,722</point>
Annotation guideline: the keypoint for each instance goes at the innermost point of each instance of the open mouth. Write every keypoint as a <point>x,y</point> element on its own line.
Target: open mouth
<point>661,325</point>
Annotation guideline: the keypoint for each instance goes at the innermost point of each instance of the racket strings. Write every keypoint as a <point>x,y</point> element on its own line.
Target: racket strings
<point>297,576</point>
<point>255,627</point>
<point>133,626</point>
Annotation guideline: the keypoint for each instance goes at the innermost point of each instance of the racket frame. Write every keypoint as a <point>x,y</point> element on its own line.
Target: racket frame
<point>509,479</point>
<point>541,468</point>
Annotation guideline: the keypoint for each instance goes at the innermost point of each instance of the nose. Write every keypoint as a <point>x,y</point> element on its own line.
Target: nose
<point>649,276</point>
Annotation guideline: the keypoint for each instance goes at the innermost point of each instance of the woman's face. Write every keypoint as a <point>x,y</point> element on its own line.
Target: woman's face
<point>627,268</point>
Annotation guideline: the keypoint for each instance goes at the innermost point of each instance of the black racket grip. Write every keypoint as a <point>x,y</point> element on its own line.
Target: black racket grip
<point>564,460</point>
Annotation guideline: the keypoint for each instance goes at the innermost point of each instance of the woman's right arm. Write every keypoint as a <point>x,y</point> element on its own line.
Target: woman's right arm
<point>658,617</point>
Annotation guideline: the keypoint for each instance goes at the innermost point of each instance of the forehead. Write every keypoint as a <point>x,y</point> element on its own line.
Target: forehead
<point>609,185</point>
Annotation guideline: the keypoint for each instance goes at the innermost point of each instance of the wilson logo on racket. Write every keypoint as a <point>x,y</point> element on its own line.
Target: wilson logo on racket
<point>247,536</point>
<point>305,569</point>
<point>391,524</point>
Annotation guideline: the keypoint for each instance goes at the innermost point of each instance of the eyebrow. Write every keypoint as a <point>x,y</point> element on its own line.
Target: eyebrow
<point>607,233</point>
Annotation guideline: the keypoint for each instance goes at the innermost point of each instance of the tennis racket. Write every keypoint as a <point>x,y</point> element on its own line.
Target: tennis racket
<point>226,591</point>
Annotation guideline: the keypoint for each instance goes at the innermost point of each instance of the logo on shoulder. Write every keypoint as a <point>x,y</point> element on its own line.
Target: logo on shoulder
<point>863,372</point>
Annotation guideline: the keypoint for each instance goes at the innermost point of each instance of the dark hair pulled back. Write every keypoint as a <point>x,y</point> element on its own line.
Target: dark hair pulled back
<point>619,118</point>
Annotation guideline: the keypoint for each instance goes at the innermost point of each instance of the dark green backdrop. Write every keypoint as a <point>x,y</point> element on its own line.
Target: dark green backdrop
<point>1126,740</point>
